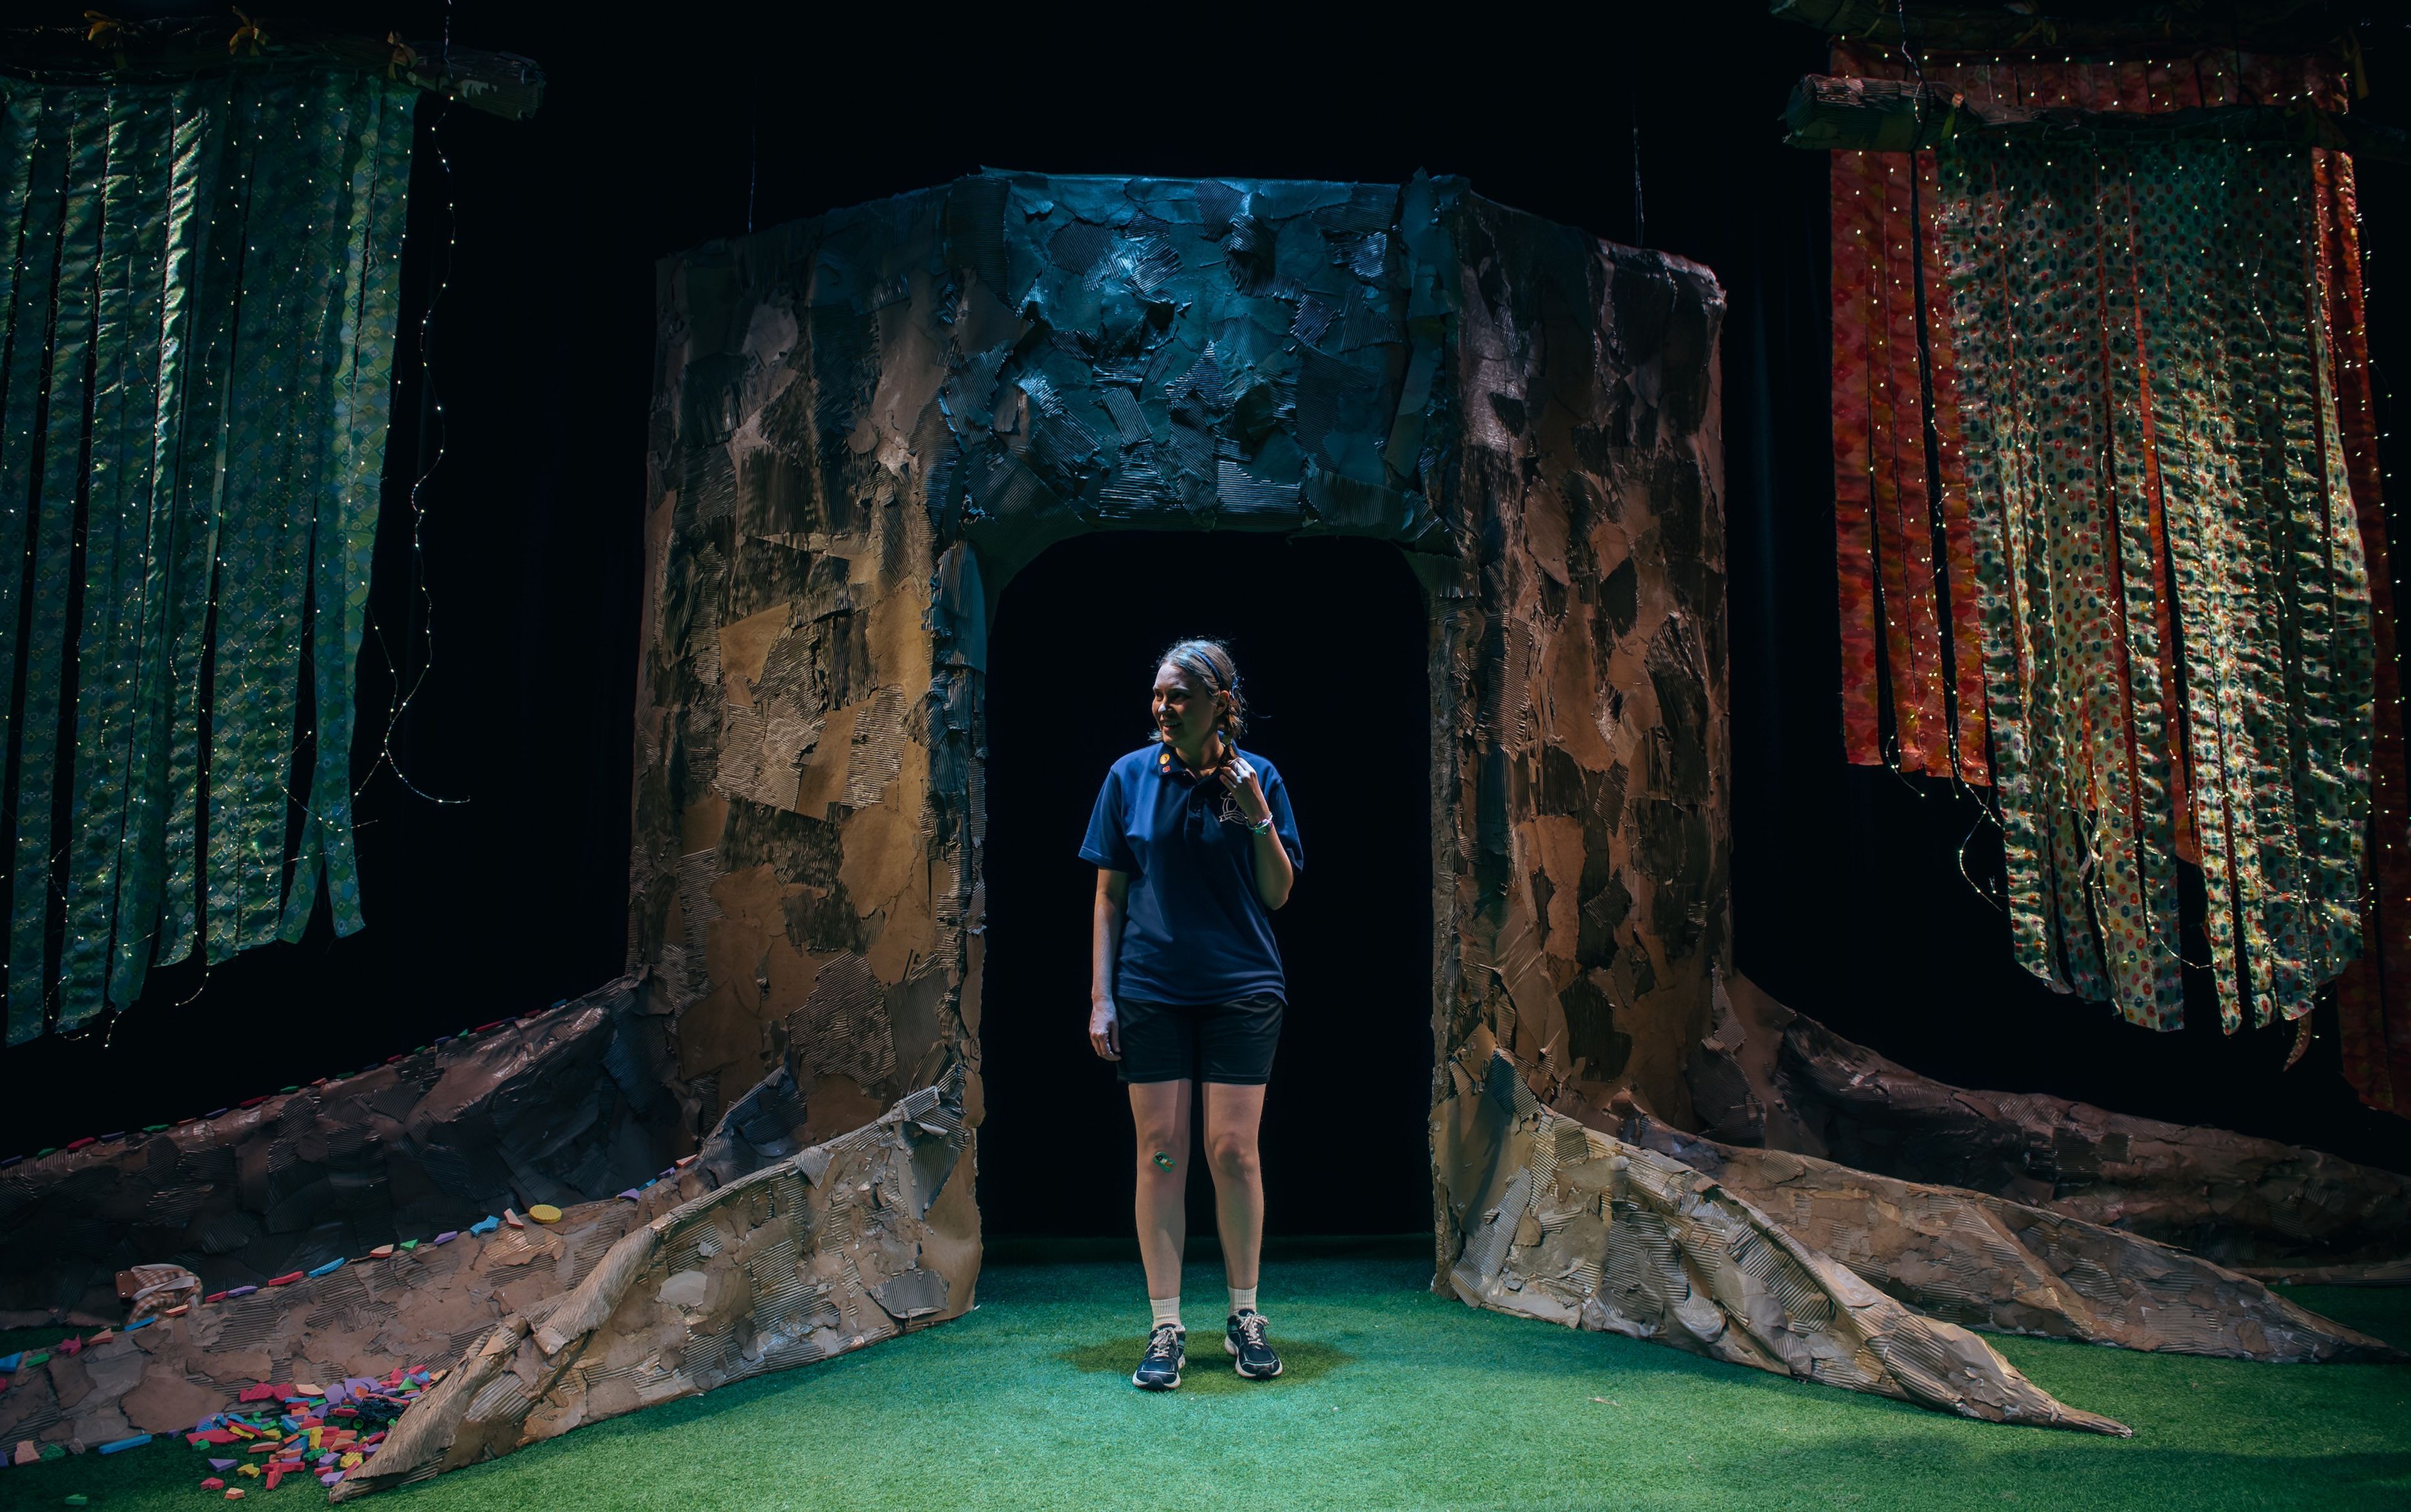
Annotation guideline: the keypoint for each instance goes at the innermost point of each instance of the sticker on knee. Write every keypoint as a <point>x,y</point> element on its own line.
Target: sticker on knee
<point>1162,1161</point>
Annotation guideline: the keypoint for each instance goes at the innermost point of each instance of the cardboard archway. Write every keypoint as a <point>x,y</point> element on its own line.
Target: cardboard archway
<point>866,423</point>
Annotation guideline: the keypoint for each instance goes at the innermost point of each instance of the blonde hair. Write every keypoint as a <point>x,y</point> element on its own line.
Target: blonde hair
<point>1210,661</point>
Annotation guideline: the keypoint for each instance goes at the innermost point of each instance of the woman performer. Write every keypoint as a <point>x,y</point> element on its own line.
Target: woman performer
<point>1194,846</point>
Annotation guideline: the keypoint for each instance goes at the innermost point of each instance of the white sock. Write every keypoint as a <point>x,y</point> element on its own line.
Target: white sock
<point>1242,1301</point>
<point>1168,1310</point>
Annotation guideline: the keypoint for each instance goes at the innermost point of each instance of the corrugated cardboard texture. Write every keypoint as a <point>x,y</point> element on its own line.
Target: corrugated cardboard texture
<point>1568,1224</point>
<point>561,1106</point>
<point>417,1308</point>
<point>838,1246</point>
<point>680,1287</point>
<point>1975,1259</point>
<point>1767,1076</point>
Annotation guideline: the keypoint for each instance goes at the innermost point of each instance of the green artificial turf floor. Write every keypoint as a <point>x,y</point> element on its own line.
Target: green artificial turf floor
<point>1396,1398</point>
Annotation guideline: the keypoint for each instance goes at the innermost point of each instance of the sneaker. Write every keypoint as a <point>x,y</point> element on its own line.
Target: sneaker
<point>1243,1339</point>
<point>1167,1351</point>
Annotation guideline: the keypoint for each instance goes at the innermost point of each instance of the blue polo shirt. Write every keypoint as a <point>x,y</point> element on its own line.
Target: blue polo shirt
<point>1195,930</point>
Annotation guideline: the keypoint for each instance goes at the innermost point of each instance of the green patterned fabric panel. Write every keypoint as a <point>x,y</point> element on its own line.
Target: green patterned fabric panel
<point>2176,608</point>
<point>200,289</point>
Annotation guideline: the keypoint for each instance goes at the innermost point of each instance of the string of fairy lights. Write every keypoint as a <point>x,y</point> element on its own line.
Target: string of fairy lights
<point>399,698</point>
<point>1909,608</point>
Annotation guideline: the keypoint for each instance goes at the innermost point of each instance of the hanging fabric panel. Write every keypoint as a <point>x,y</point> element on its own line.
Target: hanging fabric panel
<point>200,289</point>
<point>2153,452</point>
<point>1884,404</point>
<point>2374,991</point>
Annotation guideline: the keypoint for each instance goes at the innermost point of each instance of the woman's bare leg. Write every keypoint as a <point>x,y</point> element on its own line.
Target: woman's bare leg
<point>1160,1111</point>
<point>1232,1114</point>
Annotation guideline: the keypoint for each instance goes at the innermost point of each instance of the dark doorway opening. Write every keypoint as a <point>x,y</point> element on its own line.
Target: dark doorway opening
<point>1330,638</point>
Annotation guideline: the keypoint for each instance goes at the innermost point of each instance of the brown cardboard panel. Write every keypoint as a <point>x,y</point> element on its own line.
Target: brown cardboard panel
<point>559,1105</point>
<point>1566,1225</point>
<point>806,1258</point>
<point>743,647</point>
<point>720,1031</point>
<point>836,1102</point>
<point>1780,1078</point>
<point>1979,1260</point>
<point>415,1308</point>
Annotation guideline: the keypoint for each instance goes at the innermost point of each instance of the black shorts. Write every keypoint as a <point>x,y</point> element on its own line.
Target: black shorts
<point>1227,1042</point>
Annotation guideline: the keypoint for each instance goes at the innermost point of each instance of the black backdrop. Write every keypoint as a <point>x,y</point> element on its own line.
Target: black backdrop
<point>658,133</point>
<point>1329,637</point>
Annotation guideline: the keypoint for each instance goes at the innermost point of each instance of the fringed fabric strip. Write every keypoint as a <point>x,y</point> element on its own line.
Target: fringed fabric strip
<point>1906,530</point>
<point>134,206</point>
<point>199,517</point>
<point>191,175</point>
<point>371,305</point>
<point>1973,272</point>
<point>1855,261</point>
<point>1964,642</point>
<point>2141,914</point>
<point>1903,547</point>
<point>37,165</point>
<point>60,471</point>
<point>2374,994</point>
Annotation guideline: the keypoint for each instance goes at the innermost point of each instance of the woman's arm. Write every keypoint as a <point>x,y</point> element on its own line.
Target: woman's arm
<point>1104,949</point>
<point>1275,876</point>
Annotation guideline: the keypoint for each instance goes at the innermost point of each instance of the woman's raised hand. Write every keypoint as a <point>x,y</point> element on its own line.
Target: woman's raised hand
<point>1104,1030</point>
<point>1239,776</point>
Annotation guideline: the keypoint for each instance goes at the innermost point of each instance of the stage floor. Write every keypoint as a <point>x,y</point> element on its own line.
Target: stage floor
<point>1396,1398</point>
